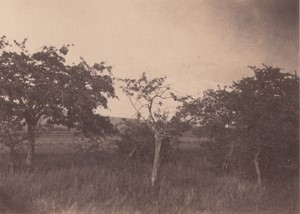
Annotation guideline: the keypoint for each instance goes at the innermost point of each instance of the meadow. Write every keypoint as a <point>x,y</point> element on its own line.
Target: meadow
<point>68,180</point>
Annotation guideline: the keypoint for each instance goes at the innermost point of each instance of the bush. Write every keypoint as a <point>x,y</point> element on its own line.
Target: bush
<point>136,140</point>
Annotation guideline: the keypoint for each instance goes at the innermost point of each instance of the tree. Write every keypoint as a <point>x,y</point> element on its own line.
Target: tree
<point>42,85</point>
<point>268,106</point>
<point>146,96</point>
<point>210,117</point>
<point>257,116</point>
<point>11,136</point>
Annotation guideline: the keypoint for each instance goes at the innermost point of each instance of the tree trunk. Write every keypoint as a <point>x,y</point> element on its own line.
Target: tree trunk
<point>30,148</point>
<point>12,157</point>
<point>226,162</point>
<point>156,163</point>
<point>257,169</point>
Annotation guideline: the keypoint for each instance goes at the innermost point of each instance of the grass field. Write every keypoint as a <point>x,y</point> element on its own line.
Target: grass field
<point>69,181</point>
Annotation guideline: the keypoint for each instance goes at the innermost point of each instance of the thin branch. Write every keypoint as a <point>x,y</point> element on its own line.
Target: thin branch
<point>137,110</point>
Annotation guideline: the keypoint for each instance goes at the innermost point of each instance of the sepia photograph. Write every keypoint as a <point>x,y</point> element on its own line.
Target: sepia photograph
<point>149,107</point>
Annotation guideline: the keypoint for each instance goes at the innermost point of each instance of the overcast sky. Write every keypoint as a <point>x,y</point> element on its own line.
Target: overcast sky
<point>197,44</point>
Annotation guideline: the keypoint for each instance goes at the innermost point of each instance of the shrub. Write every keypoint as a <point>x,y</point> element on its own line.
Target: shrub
<point>136,140</point>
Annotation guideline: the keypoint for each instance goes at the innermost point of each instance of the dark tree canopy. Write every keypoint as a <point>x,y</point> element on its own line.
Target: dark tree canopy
<point>41,85</point>
<point>255,115</point>
<point>267,107</point>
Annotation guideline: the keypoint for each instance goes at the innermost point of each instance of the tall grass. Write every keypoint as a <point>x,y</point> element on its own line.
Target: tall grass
<point>105,183</point>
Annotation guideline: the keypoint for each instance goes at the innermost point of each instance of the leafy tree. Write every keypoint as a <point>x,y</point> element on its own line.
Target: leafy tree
<point>210,117</point>
<point>41,85</point>
<point>268,106</point>
<point>146,96</point>
<point>256,118</point>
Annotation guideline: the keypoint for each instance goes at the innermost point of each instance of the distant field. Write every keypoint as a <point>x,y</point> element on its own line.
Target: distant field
<point>60,141</point>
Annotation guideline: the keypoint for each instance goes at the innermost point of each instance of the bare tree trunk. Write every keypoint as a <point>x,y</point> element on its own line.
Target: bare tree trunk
<point>30,148</point>
<point>12,164</point>
<point>156,163</point>
<point>257,169</point>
